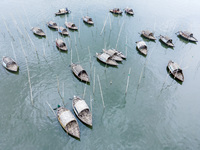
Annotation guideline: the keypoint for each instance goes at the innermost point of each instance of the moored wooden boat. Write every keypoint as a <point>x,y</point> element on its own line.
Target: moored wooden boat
<point>79,72</point>
<point>82,110</point>
<point>187,35</point>
<point>61,45</point>
<point>71,26</point>
<point>142,47</point>
<point>62,11</point>
<point>63,31</point>
<point>120,54</point>
<point>129,11</point>
<point>116,11</point>
<point>9,64</point>
<point>68,122</point>
<point>88,20</point>
<point>175,70</point>
<point>113,55</point>
<point>166,40</point>
<point>149,35</point>
<point>52,25</point>
<point>105,58</point>
<point>38,31</point>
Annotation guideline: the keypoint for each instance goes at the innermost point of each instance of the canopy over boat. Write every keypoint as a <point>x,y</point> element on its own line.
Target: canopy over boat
<point>104,57</point>
<point>66,117</point>
<point>80,106</point>
<point>79,70</point>
<point>174,67</point>
<point>60,43</point>
<point>141,44</point>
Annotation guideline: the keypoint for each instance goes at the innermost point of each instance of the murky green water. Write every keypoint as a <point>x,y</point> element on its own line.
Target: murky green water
<point>158,113</point>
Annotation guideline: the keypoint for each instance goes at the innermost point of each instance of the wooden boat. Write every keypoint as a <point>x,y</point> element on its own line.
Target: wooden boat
<point>105,58</point>
<point>166,40</point>
<point>63,31</point>
<point>80,72</point>
<point>82,110</point>
<point>68,122</point>
<point>52,25</point>
<point>187,35</point>
<point>116,11</point>
<point>10,64</point>
<point>62,11</point>
<point>61,45</point>
<point>175,70</point>
<point>129,11</point>
<point>38,31</point>
<point>88,20</point>
<point>120,54</point>
<point>142,47</point>
<point>71,26</point>
<point>113,55</point>
<point>149,35</point>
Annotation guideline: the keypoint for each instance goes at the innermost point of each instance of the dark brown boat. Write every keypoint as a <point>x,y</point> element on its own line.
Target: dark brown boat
<point>105,58</point>
<point>60,44</point>
<point>10,64</point>
<point>82,110</point>
<point>88,20</point>
<point>62,11</point>
<point>38,31</point>
<point>129,11</point>
<point>187,35</point>
<point>142,47</point>
<point>71,26</point>
<point>166,40</point>
<point>68,122</point>
<point>52,25</point>
<point>149,35</point>
<point>79,72</point>
<point>116,11</point>
<point>63,31</point>
<point>175,70</point>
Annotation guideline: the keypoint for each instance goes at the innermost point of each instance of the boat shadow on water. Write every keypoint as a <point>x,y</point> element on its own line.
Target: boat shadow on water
<point>185,40</point>
<point>88,25</point>
<point>178,81</point>
<point>62,50</point>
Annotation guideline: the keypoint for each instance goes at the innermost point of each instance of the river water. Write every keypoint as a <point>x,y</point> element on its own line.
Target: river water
<point>157,113</point>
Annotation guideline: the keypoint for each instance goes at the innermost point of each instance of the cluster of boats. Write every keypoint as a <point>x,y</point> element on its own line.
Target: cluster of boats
<point>109,57</point>
<point>117,11</point>
<point>68,121</point>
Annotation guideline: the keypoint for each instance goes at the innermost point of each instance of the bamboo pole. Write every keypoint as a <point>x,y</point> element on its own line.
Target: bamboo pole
<point>84,92</point>
<point>59,89</point>
<point>29,79</point>
<point>76,49</point>
<point>94,82</point>
<point>13,51</point>
<point>104,25</point>
<point>101,91</point>
<point>51,109</point>
<point>79,32</point>
<point>91,103</point>
<point>126,46</point>
<point>119,35</point>
<point>129,73</point>
<point>7,28</point>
